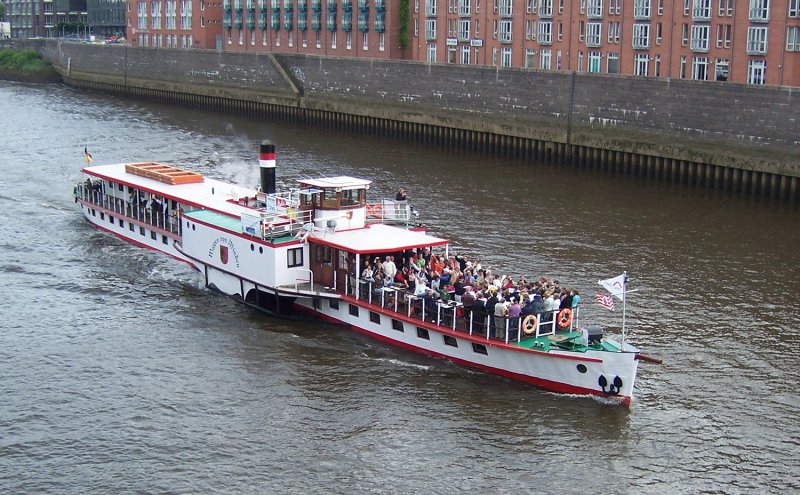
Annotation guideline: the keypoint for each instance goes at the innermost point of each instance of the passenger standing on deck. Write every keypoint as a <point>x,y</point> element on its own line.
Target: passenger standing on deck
<point>389,268</point>
<point>500,313</point>
<point>400,202</point>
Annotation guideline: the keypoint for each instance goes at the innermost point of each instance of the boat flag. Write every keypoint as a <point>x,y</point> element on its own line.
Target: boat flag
<point>616,286</point>
<point>605,301</point>
<point>87,155</point>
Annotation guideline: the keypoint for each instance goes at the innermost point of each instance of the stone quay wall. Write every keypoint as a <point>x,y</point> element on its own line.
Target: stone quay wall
<point>702,132</point>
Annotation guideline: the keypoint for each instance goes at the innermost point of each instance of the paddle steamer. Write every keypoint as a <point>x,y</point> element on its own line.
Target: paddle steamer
<point>291,252</point>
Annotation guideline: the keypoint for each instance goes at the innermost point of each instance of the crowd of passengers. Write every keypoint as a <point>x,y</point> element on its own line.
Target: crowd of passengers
<point>459,279</point>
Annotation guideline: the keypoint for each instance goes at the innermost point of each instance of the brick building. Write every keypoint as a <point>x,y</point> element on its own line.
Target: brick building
<point>175,23</point>
<point>744,41</point>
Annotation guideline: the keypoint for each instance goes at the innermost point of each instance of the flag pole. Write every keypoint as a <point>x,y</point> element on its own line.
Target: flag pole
<point>624,301</point>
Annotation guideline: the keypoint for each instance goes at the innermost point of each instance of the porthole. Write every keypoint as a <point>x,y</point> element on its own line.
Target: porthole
<point>260,249</point>
<point>193,227</point>
<point>582,368</point>
<point>252,247</point>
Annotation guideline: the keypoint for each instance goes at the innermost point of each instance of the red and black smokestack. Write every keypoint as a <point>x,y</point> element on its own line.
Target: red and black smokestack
<point>266,161</point>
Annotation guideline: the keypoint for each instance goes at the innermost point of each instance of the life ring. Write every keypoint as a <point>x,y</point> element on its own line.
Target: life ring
<point>564,317</point>
<point>374,211</point>
<point>530,324</point>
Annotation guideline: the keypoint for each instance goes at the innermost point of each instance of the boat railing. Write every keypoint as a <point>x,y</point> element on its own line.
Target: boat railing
<point>279,223</point>
<point>145,214</point>
<point>389,211</point>
<point>453,315</point>
<point>309,280</point>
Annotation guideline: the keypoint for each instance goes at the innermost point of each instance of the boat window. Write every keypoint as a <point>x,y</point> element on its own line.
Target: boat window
<point>333,303</point>
<point>164,239</point>
<point>479,349</point>
<point>121,223</point>
<point>153,235</point>
<point>349,198</point>
<point>374,317</point>
<point>353,310</point>
<point>450,340</point>
<point>102,216</point>
<point>141,230</point>
<point>423,333</point>
<point>397,325</point>
<point>131,226</point>
<point>330,200</point>
<point>122,188</point>
<point>110,219</point>
<point>294,257</point>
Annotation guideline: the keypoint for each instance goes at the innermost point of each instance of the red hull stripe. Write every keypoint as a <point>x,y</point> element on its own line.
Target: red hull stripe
<point>141,244</point>
<point>462,335</point>
<point>541,383</point>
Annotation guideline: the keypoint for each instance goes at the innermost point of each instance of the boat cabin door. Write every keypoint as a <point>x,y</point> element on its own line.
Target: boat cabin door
<point>322,260</point>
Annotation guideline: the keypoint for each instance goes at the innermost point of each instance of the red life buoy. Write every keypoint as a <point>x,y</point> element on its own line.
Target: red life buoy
<point>564,317</point>
<point>530,324</point>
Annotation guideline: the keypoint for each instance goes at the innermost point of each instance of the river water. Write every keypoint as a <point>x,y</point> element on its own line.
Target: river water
<point>121,373</point>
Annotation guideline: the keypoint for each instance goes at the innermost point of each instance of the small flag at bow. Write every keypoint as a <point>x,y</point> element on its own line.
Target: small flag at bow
<point>87,155</point>
<point>605,301</point>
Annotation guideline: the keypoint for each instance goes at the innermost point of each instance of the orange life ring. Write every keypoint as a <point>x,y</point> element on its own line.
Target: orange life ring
<point>564,317</point>
<point>530,324</point>
<point>374,211</point>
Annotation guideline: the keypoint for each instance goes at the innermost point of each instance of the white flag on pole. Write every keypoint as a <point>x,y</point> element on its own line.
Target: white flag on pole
<point>614,286</point>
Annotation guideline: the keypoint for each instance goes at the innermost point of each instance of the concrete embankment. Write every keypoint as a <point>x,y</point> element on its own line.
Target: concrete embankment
<point>726,136</point>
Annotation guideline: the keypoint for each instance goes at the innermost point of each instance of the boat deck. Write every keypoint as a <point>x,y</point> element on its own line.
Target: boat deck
<point>232,224</point>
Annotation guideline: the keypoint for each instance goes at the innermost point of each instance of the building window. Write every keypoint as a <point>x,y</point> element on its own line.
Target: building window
<point>614,7</point>
<point>701,10</point>
<point>700,35</point>
<point>464,29</point>
<point>682,72</point>
<point>333,304</point>
<point>423,333</point>
<point>546,8</point>
<point>530,57</point>
<point>757,40</point>
<point>593,33</point>
<point>505,31</point>
<point>700,68</point>
<point>546,59</point>
<point>431,52</point>
<point>756,71</point>
<point>722,69</point>
<point>641,9</point>
<point>465,52</point>
<point>594,62</point>
<point>684,34</point>
<point>613,63</point>
<point>545,32</point>
<point>430,8</point>
<point>794,8</point>
<point>505,57</point>
<point>430,29</point>
<point>659,32</point>
<point>759,11</point>
<point>613,31</point>
<point>381,42</point>
<point>450,340</point>
<point>724,35</point>
<point>793,39</point>
<point>397,325</point>
<point>641,64</point>
<point>353,310</point>
<point>294,257</point>
<point>726,8</point>
<point>657,66</point>
<point>595,10</point>
<point>641,36</point>
<point>374,317</point>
